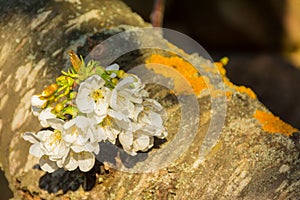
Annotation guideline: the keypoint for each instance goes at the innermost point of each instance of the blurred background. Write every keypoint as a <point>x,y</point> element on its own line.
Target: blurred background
<point>261,39</point>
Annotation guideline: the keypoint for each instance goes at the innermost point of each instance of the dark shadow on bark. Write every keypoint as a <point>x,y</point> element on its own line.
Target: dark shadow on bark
<point>4,189</point>
<point>71,180</point>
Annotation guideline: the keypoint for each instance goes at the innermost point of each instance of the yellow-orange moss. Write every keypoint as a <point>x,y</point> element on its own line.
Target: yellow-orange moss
<point>273,124</point>
<point>187,70</point>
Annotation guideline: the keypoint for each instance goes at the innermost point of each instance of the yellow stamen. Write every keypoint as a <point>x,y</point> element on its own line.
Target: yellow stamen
<point>56,137</point>
<point>97,94</point>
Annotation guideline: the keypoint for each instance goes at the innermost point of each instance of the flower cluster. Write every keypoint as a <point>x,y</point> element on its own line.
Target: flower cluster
<point>87,105</point>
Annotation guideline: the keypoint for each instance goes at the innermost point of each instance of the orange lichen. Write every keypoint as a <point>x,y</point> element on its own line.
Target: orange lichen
<point>221,68</point>
<point>187,70</point>
<point>228,95</point>
<point>246,90</point>
<point>190,73</point>
<point>241,89</point>
<point>273,124</point>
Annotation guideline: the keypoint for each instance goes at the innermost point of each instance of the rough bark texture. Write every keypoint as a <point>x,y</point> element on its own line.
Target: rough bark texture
<point>246,163</point>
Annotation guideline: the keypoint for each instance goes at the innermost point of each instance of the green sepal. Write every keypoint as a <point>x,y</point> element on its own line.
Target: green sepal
<point>72,95</point>
<point>62,88</point>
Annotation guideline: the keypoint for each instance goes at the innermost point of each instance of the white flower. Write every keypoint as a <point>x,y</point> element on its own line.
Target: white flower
<point>48,146</point>
<point>142,142</point>
<point>149,124</point>
<point>93,97</point>
<point>70,145</point>
<point>82,134</point>
<point>45,115</point>
<point>37,149</point>
<point>132,87</point>
<point>151,120</point>
<point>37,104</point>
<point>126,139</point>
<point>84,160</point>
<point>132,142</point>
<point>127,93</point>
<point>110,128</point>
<point>48,165</point>
<point>82,137</point>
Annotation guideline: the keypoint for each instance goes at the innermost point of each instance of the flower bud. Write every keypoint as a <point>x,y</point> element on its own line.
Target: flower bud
<point>120,73</point>
<point>114,80</point>
<point>50,90</point>
<point>70,81</point>
<point>58,107</point>
<point>72,95</point>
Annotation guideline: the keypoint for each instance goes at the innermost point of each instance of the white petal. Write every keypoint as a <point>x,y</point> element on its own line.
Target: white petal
<point>44,135</point>
<point>71,162</point>
<point>91,134</point>
<point>82,122</point>
<point>70,137</point>
<point>78,148</point>
<point>101,108</point>
<point>97,119</point>
<point>156,119</point>
<point>47,165</point>
<point>89,147</point>
<point>116,115</point>
<point>56,123</point>
<point>83,100</point>
<point>36,111</point>
<point>59,163</point>
<point>71,132</point>
<point>35,150</point>
<point>94,82</point>
<point>37,102</point>
<point>82,138</point>
<point>142,143</point>
<point>69,124</point>
<point>124,82</point>
<point>86,161</point>
<point>100,134</point>
<point>31,137</point>
<point>45,115</point>
<point>113,99</point>
<point>112,67</point>
<point>85,105</point>
<point>110,134</point>
<point>126,139</point>
<point>97,148</point>
<point>137,110</point>
<point>61,150</point>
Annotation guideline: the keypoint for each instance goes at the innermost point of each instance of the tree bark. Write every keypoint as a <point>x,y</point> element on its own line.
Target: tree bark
<point>246,163</point>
